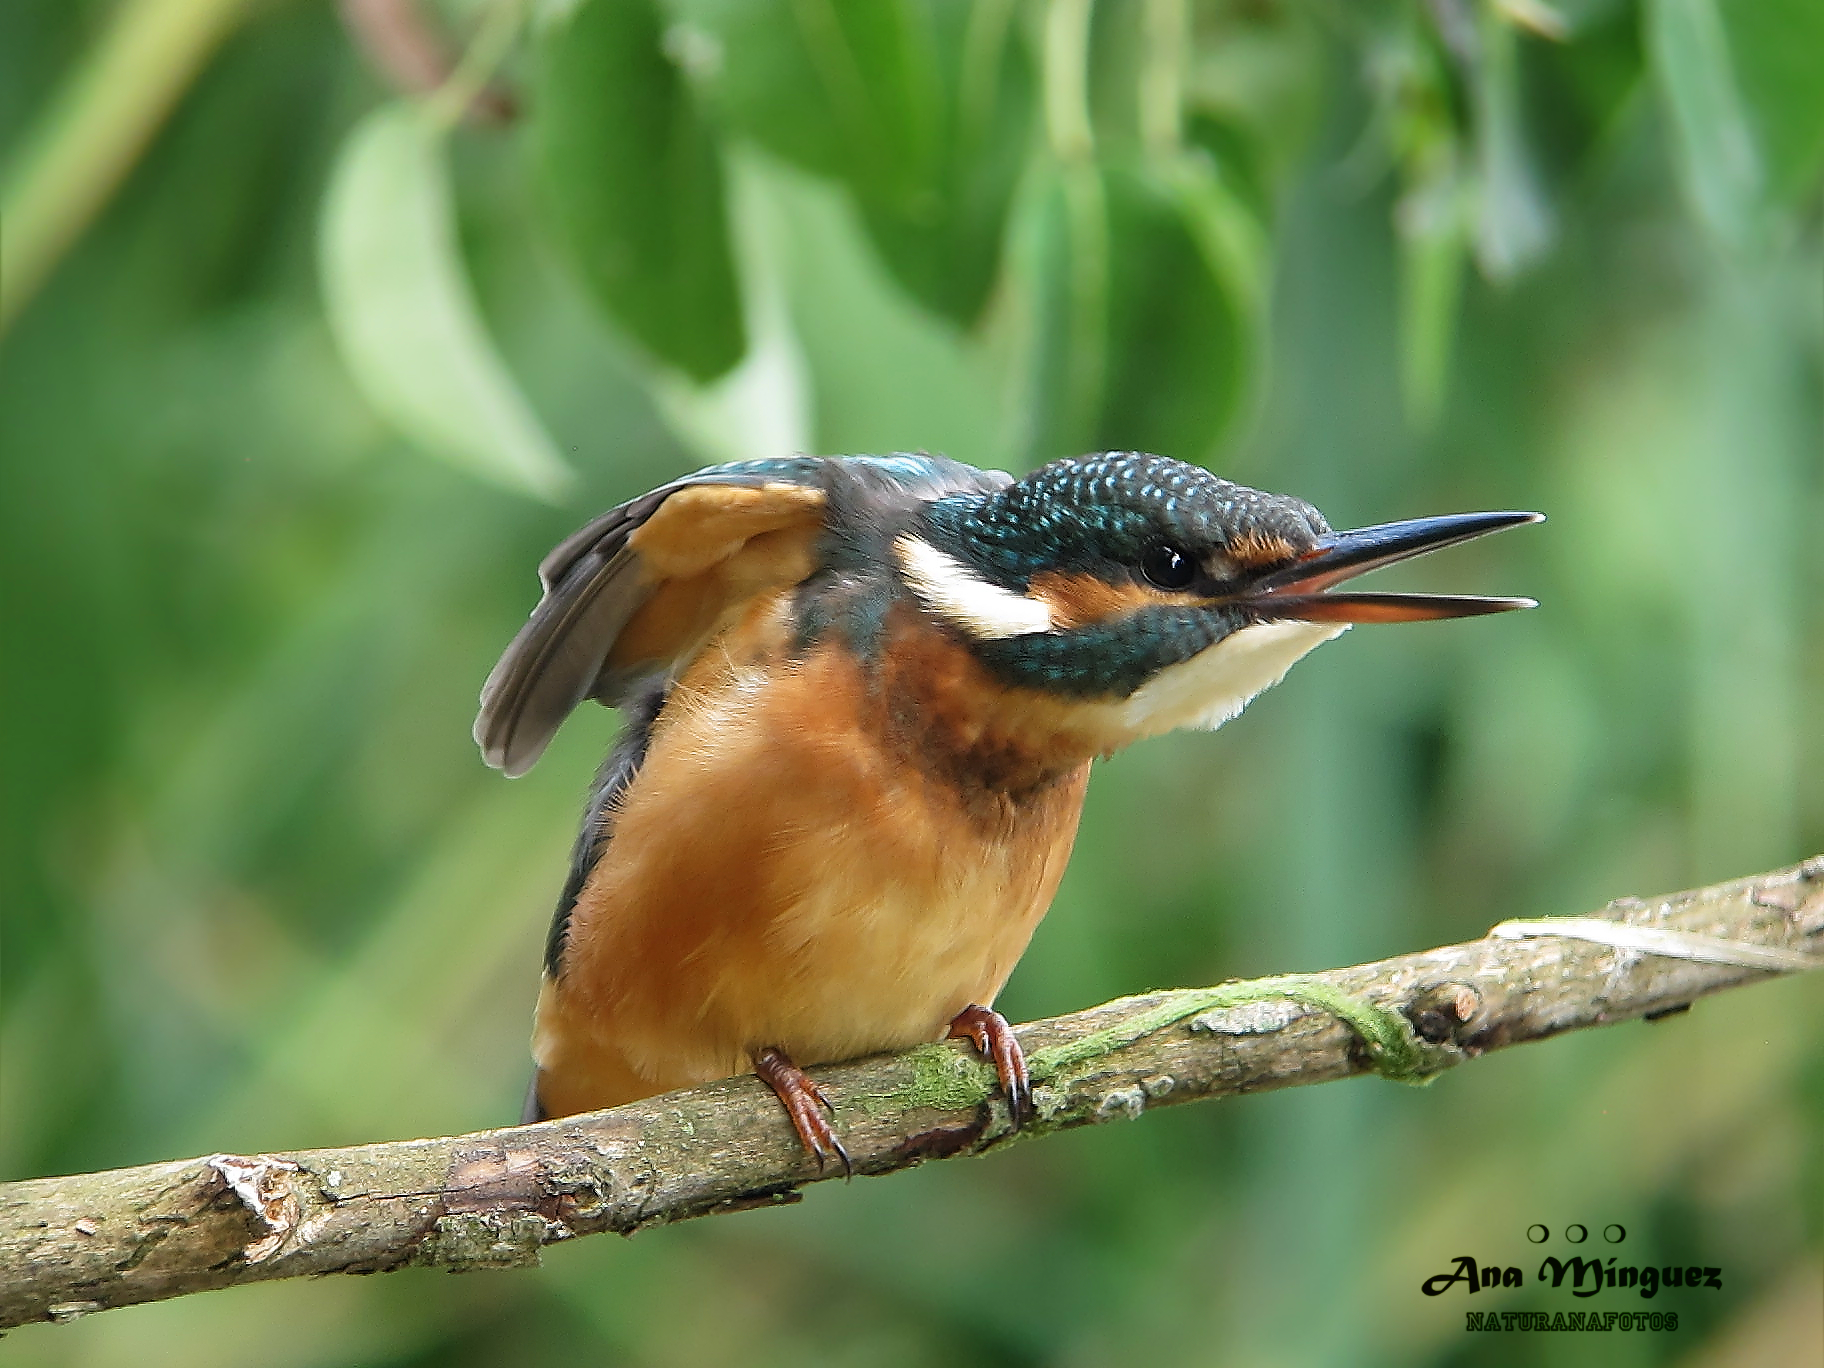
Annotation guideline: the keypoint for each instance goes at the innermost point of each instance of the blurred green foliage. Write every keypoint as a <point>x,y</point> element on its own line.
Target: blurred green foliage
<point>1395,257</point>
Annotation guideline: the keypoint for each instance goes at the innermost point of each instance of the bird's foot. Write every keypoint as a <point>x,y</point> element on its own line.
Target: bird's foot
<point>992,1035</point>
<point>805,1103</point>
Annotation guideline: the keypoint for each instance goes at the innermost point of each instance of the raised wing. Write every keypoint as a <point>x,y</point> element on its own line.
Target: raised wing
<point>683,541</point>
<point>634,593</point>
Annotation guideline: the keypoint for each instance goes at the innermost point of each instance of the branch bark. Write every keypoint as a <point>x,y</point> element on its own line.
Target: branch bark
<point>88,1242</point>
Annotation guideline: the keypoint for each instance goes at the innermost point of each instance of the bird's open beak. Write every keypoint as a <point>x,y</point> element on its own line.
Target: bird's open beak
<point>1296,591</point>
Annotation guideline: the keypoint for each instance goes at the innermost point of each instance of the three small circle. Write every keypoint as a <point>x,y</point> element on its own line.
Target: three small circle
<point>1577,1234</point>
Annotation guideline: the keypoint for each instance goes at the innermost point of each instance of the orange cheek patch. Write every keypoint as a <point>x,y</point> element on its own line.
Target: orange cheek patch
<point>703,524</point>
<point>1260,549</point>
<point>1079,600</point>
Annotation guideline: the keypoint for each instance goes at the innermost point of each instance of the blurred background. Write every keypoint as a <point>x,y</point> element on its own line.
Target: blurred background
<point>324,323</point>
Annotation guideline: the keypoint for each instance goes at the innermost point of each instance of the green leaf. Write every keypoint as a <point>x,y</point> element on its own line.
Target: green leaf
<point>1066,256</point>
<point>1147,291</point>
<point>1720,160</point>
<point>1436,216</point>
<point>404,317</point>
<point>1434,224</point>
<point>1516,224</point>
<point>1235,149</point>
<point>1777,47</point>
<point>1744,80</point>
<point>920,108</point>
<point>633,180</point>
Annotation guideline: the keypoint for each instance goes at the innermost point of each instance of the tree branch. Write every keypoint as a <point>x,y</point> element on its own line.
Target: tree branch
<point>72,1245</point>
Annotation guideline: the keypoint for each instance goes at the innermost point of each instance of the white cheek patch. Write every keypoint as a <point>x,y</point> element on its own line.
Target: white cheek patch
<point>949,589</point>
<point>1210,688</point>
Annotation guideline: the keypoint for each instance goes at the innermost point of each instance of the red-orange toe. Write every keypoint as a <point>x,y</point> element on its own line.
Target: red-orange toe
<point>806,1104</point>
<point>991,1034</point>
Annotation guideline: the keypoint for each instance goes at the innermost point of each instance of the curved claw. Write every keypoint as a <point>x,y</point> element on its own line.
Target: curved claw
<point>989,1032</point>
<point>806,1104</point>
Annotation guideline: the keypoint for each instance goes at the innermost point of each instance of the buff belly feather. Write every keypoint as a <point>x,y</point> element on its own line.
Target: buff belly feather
<point>790,878</point>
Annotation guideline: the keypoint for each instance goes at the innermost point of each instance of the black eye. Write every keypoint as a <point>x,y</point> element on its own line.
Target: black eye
<point>1168,567</point>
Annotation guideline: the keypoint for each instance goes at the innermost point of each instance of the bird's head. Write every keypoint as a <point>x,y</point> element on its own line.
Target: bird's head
<point>1147,594</point>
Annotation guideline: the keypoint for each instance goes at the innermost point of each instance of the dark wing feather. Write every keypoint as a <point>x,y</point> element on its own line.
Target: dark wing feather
<point>595,581</point>
<point>641,710</point>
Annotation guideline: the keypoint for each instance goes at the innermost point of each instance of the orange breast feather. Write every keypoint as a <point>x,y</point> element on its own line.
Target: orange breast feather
<point>805,860</point>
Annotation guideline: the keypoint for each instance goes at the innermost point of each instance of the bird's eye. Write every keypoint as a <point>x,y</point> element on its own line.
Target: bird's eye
<point>1167,567</point>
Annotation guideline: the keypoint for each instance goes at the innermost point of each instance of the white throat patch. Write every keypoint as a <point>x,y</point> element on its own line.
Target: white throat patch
<point>949,589</point>
<point>1216,684</point>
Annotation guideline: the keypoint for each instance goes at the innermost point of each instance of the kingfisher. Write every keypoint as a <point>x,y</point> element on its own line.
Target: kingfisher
<point>861,696</point>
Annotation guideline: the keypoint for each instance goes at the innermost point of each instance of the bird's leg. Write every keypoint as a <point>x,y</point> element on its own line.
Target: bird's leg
<point>992,1035</point>
<point>805,1103</point>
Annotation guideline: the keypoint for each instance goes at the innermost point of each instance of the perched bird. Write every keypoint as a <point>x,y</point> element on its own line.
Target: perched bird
<point>861,697</point>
